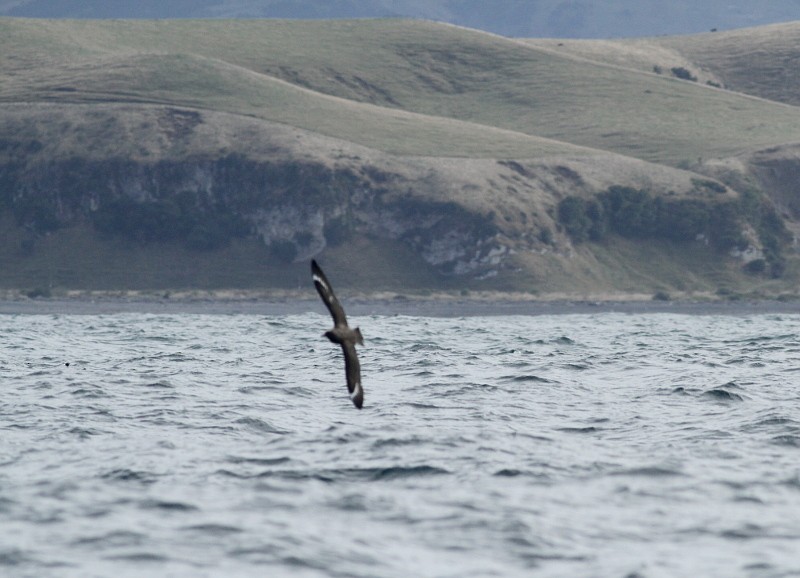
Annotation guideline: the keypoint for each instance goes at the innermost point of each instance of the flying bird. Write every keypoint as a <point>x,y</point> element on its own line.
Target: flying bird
<point>342,334</point>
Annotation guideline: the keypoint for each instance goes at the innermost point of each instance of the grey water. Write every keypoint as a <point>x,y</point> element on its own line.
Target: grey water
<point>605,444</point>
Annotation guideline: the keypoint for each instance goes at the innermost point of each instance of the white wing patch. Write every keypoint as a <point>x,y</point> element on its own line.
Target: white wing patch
<point>321,281</point>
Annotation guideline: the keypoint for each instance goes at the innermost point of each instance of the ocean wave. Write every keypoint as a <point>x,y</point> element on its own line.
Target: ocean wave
<point>201,445</point>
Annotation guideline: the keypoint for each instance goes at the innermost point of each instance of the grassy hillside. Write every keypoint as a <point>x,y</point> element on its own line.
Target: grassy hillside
<point>758,61</point>
<point>200,82</point>
<point>754,61</point>
<point>415,154</point>
<point>431,69</point>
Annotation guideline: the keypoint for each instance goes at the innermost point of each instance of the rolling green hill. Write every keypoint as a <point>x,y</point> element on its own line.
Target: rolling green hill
<point>391,142</point>
<point>425,68</point>
<point>754,61</point>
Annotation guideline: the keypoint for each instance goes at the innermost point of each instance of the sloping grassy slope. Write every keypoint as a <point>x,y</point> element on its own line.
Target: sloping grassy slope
<point>638,54</point>
<point>761,61</point>
<point>755,61</point>
<point>427,68</point>
<point>197,81</point>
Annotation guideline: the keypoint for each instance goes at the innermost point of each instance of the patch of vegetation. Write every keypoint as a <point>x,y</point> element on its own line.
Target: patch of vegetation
<point>682,73</point>
<point>200,224</point>
<point>582,219</point>
<point>756,267</point>
<point>635,213</point>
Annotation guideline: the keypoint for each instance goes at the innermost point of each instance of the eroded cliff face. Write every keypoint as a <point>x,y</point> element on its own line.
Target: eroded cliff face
<point>160,173</point>
<point>298,208</point>
<point>775,172</point>
<point>157,174</point>
<point>439,233</point>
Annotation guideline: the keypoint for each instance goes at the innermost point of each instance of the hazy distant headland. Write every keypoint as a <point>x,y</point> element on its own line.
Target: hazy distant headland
<point>411,156</point>
<point>540,18</point>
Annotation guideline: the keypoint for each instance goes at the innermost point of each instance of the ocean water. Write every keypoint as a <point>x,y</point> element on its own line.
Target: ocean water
<point>591,445</point>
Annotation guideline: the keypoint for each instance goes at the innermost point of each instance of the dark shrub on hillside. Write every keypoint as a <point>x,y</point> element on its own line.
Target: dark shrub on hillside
<point>179,218</point>
<point>635,213</point>
<point>573,217</point>
<point>630,212</point>
<point>682,73</point>
<point>582,219</point>
<point>597,215</point>
<point>756,267</point>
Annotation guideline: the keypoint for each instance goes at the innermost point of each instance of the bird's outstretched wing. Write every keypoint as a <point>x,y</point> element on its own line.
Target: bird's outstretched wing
<point>341,334</point>
<point>325,291</point>
<point>352,370</point>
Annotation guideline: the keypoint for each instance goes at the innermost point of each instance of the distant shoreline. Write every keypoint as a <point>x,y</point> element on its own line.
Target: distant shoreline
<point>297,302</point>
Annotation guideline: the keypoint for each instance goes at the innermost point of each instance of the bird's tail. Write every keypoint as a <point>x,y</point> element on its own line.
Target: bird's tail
<point>359,337</point>
<point>357,396</point>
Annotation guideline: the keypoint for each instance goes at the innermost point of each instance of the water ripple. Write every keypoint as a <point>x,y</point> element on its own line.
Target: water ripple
<point>573,445</point>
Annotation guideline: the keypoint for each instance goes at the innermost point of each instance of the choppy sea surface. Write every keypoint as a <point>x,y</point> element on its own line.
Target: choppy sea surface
<point>592,445</point>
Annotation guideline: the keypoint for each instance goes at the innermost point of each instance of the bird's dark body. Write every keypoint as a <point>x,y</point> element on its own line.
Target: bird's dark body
<point>339,335</point>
